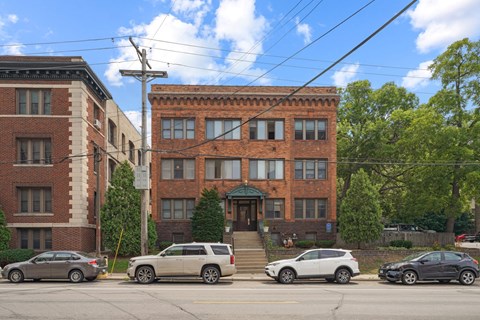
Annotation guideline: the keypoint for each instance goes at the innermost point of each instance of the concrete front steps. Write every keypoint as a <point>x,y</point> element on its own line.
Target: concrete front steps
<point>249,252</point>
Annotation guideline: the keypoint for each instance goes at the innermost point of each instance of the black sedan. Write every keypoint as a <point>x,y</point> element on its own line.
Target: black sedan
<point>73,265</point>
<point>442,266</point>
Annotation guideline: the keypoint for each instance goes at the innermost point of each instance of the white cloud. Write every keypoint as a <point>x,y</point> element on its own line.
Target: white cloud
<point>444,22</point>
<point>418,78</point>
<point>345,75</point>
<point>304,30</point>
<point>13,49</point>
<point>194,63</point>
<point>135,118</point>
<point>13,18</point>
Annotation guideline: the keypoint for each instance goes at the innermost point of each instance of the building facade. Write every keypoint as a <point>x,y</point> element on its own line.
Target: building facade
<point>270,154</point>
<point>61,136</point>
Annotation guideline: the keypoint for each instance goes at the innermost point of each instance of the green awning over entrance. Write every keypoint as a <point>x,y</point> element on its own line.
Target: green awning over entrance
<point>245,191</point>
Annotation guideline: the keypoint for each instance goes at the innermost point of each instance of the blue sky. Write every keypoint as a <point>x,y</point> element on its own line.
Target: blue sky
<point>241,42</point>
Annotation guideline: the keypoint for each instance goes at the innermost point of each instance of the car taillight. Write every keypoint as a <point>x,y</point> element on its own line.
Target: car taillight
<point>475,261</point>
<point>354,259</point>
<point>92,262</point>
<point>232,259</point>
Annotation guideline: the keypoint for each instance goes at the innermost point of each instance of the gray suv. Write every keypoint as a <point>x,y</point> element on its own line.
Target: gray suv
<point>210,261</point>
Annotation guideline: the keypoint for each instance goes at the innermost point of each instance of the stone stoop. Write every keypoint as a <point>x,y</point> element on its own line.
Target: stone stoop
<point>249,252</point>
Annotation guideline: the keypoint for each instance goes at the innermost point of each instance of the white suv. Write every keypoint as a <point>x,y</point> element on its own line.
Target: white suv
<point>209,261</point>
<point>331,264</point>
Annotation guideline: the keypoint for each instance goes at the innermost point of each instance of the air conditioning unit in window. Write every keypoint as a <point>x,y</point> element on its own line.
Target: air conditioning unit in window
<point>97,124</point>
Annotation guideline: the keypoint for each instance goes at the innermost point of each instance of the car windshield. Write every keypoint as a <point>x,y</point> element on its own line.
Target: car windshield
<point>413,256</point>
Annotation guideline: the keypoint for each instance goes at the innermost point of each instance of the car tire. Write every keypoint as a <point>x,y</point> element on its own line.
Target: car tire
<point>16,276</point>
<point>330,280</point>
<point>409,278</point>
<point>91,278</point>
<point>286,276</point>
<point>343,276</point>
<point>145,275</point>
<point>75,276</point>
<point>210,275</point>
<point>467,278</point>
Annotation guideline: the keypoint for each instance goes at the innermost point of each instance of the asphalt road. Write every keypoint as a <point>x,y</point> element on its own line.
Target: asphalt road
<point>237,300</point>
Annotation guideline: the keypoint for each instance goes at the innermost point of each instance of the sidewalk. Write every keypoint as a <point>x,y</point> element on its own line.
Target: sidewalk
<point>238,277</point>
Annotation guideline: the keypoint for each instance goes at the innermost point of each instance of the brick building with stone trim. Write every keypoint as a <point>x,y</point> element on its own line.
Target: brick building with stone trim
<point>277,165</point>
<point>55,114</point>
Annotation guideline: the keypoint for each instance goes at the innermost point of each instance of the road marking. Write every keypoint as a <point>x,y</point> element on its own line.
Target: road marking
<point>245,302</point>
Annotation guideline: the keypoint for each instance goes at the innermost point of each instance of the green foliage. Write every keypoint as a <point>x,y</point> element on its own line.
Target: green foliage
<point>324,243</point>
<point>401,244</point>
<point>208,218</point>
<point>361,214</point>
<point>15,255</point>
<point>305,244</point>
<point>122,211</point>
<point>5,235</point>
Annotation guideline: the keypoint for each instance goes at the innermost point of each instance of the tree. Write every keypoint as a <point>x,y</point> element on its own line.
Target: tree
<point>208,218</point>
<point>122,211</point>
<point>5,235</point>
<point>361,216</point>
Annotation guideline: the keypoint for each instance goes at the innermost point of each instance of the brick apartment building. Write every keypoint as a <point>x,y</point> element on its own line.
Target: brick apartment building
<point>279,166</point>
<point>55,114</point>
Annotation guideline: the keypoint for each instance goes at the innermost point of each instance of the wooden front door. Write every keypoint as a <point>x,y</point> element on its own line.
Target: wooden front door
<point>244,218</point>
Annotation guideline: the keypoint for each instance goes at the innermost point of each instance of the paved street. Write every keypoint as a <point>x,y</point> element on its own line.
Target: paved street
<point>237,300</point>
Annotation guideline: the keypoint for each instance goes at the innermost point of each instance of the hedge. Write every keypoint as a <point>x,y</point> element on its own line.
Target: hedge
<point>15,255</point>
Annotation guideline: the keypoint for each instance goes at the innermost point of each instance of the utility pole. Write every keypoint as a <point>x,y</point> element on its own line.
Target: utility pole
<point>144,76</point>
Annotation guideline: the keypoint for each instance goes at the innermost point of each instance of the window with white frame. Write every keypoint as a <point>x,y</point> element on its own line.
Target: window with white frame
<point>223,129</point>
<point>274,208</point>
<point>34,101</point>
<point>311,169</point>
<point>34,199</point>
<point>34,151</point>
<point>310,208</point>
<point>112,132</point>
<point>223,169</point>
<point>266,129</point>
<point>36,239</point>
<point>131,151</point>
<point>178,169</point>
<point>177,209</point>
<point>178,128</point>
<point>310,129</point>
<point>266,169</point>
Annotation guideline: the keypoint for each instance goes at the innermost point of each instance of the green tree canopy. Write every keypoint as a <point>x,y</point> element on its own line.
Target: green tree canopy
<point>122,210</point>
<point>5,235</point>
<point>361,214</point>
<point>208,218</point>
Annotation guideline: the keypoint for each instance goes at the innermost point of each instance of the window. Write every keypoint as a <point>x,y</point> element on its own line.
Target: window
<point>178,128</point>
<point>178,237</point>
<point>223,129</point>
<point>112,165</point>
<point>96,112</point>
<point>37,239</point>
<point>34,151</point>
<point>34,200</point>
<point>266,129</point>
<point>34,101</point>
<point>310,169</point>
<point>131,151</point>
<point>266,169</point>
<point>96,159</point>
<point>123,143</point>
<point>178,169</point>
<point>274,208</point>
<point>220,250</point>
<point>191,250</point>
<point>312,236</point>
<point>453,256</point>
<point>177,208</point>
<point>222,169</point>
<point>310,129</point>
<point>310,208</point>
<point>112,132</point>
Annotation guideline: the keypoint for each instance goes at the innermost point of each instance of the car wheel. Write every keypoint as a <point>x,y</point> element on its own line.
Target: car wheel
<point>444,281</point>
<point>15,276</point>
<point>286,276</point>
<point>330,280</point>
<point>409,277</point>
<point>211,275</point>
<point>467,278</point>
<point>75,276</point>
<point>91,278</point>
<point>342,276</point>
<point>145,275</point>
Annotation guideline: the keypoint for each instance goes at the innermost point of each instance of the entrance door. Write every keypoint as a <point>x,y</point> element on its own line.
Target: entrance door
<point>244,218</point>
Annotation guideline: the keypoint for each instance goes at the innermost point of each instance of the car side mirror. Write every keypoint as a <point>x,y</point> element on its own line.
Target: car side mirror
<point>424,260</point>
<point>34,261</point>
<point>301,259</point>
<point>162,254</point>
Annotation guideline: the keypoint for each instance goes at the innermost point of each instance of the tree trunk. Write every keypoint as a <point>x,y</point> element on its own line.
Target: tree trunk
<point>450,224</point>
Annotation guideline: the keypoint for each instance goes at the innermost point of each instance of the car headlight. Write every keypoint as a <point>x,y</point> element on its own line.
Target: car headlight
<point>272,264</point>
<point>131,262</point>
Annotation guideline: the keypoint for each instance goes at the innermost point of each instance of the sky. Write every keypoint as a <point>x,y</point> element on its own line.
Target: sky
<point>242,42</point>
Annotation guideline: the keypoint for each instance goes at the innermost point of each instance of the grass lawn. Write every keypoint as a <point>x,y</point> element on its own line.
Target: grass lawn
<point>121,265</point>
